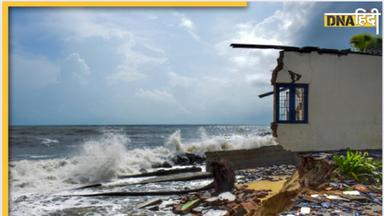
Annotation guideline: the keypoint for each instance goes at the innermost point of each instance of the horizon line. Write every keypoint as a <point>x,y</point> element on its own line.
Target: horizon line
<point>138,124</point>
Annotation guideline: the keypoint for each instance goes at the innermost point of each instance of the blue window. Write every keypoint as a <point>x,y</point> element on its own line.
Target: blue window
<point>291,103</point>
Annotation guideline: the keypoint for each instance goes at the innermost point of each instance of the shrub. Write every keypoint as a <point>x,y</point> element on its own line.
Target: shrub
<point>359,166</point>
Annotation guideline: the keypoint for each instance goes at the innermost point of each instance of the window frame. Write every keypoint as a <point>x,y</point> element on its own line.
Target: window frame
<point>292,98</point>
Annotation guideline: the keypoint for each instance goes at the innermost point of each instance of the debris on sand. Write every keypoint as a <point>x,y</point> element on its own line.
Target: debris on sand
<point>151,202</point>
<point>311,188</point>
<point>186,207</point>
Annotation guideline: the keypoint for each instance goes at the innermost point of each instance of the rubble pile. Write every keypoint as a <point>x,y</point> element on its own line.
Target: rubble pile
<point>264,173</point>
<point>314,187</point>
<point>328,193</point>
<point>242,201</point>
<point>342,198</point>
<point>309,189</point>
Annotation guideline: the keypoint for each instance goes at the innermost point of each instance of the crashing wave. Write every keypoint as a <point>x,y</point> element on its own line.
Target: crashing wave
<point>106,157</point>
<point>218,142</point>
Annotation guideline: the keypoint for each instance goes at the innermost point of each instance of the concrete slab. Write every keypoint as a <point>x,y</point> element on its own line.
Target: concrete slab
<point>252,158</point>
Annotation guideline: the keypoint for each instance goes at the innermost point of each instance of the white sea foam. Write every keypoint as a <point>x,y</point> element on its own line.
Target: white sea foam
<point>97,160</point>
<point>48,141</point>
<point>102,159</point>
<point>208,143</point>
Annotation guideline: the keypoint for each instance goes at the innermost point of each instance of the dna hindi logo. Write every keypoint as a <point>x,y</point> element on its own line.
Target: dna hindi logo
<point>361,18</point>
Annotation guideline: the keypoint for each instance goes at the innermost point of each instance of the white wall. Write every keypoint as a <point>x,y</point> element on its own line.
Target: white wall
<point>344,98</point>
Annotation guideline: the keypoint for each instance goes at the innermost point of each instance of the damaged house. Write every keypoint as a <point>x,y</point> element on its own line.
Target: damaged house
<point>325,99</point>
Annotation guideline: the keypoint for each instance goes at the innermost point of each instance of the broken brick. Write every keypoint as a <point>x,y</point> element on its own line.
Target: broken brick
<point>249,206</point>
<point>239,211</point>
<point>361,188</point>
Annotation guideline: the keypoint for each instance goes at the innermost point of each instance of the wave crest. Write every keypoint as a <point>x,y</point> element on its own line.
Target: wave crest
<point>106,157</point>
<point>208,143</point>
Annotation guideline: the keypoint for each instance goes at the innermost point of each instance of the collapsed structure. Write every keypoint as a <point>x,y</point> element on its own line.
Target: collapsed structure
<point>325,99</point>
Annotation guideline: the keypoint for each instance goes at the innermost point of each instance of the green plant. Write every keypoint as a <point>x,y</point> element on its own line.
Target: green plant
<point>366,43</point>
<point>359,166</point>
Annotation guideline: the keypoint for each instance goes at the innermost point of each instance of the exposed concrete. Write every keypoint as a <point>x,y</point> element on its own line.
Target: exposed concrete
<point>251,158</point>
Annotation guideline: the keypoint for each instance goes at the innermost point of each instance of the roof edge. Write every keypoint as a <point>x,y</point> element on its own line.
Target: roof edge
<point>306,49</point>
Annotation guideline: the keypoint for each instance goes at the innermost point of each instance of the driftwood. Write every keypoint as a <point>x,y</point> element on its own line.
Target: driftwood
<point>163,172</point>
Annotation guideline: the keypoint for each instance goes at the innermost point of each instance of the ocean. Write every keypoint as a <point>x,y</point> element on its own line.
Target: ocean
<point>48,162</point>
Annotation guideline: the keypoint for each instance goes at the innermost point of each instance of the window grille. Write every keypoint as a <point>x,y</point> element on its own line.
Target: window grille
<point>284,104</point>
<point>291,103</point>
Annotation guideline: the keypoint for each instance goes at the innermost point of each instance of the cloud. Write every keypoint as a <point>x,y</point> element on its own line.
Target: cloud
<point>152,17</point>
<point>135,71</point>
<point>141,53</point>
<point>256,80</point>
<point>188,25</point>
<point>136,58</point>
<point>134,49</point>
<point>163,99</point>
<point>82,25</point>
<point>33,72</point>
<point>231,92</point>
<point>281,28</point>
<point>155,95</point>
<point>75,69</point>
<point>177,80</point>
<point>218,98</point>
<point>125,73</point>
<point>243,74</point>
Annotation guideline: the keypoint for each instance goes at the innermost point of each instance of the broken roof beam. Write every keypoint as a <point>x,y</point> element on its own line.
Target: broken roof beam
<point>286,48</point>
<point>261,46</point>
<point>270,93</point>
<point>305,49</point>
<point>266,94</point>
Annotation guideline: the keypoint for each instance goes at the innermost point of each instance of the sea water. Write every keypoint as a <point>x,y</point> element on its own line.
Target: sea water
<point>48,162</point>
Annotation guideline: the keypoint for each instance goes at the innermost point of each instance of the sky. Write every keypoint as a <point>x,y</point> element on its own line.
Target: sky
<point>157,65</point>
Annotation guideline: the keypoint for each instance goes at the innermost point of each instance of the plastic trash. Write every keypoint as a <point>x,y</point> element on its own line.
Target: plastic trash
<point>305,210</point>
<point>353,193</point>
<point>333,197</point>
<point>326,204</point>
<point>227,196</point>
